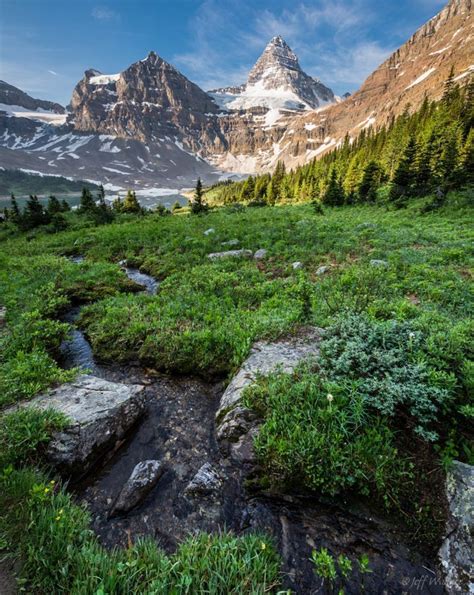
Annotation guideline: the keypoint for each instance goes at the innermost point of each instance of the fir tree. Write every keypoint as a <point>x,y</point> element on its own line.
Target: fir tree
<point>198,205</point>
<point>87,204</point>
<point>404,176</point>
<point>334,194</point>
<point>54,206</point>
<point>370,182</point>
<point>15,214</point>
<point>34,215</point>
<point>130,203</point>
<point>65,206</point>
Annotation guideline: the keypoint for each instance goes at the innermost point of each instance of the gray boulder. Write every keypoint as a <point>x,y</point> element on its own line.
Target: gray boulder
<point>143,479</point>
<point>379,263</point>
<point>232,419</point>
<point>297,265</point>
<point>99,412</point>
<point>234,242</point>
<point>322,270</point>
<point>209,231</point>
<point>230,254</point>
<point>3,315</point>
<point>206,481</point>
<point>260,254</point>
<point>456,553</point>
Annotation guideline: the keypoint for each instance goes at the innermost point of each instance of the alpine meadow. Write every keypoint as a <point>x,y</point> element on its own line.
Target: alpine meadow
<point>236,331</point>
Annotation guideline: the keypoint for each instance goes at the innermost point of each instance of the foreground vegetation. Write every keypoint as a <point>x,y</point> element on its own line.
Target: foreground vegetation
<point>383,264</point>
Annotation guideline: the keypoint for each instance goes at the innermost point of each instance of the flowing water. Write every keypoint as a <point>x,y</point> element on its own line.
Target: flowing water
<point>178,430</point>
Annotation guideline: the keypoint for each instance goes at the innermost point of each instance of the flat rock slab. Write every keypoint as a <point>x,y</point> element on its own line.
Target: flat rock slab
<point>100,414</point>
<point>142,480</point>
<point>456,553</point>
<point>230,254</point>
<point>265,358</point>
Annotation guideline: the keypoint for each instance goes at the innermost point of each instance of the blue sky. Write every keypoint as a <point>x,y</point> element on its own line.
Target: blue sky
<point>45,45</point>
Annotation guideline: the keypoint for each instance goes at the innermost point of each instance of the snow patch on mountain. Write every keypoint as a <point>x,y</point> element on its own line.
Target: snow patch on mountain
<point>104,79</point>
<point>421,78</point>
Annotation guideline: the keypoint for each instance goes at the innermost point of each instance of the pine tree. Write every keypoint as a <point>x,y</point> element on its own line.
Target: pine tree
<point>65,206</point>
<point>34,215</point>
<point>467,159</point>
<point>15,214</point>
<point>130,203</point>
<point>370,182</point>
<point>197,204</point>
<point>54,206</point>
<point>404,176</point>
<point>334,194</point>
<point>87,204</point>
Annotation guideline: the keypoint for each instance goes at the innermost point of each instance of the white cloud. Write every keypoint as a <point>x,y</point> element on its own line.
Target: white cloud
<point>53,72</point>
<point>102,13</point>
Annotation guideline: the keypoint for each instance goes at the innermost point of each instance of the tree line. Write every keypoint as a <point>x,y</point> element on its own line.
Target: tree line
<point>416,154</point>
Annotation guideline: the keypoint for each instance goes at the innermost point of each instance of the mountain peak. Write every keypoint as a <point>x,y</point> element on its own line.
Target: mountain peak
<point>276,55</point>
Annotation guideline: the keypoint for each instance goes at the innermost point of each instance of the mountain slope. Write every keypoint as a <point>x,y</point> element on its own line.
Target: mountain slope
<point>420,67</point>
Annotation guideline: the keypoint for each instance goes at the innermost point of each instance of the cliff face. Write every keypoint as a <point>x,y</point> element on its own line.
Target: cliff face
<point>147,101</point>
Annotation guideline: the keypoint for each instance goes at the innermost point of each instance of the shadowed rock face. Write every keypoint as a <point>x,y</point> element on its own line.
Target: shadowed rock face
<point>11,95</point>
<point>456,553</point>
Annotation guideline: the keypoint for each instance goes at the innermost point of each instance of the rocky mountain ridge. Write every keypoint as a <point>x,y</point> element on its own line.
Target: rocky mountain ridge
<point>149,126</point>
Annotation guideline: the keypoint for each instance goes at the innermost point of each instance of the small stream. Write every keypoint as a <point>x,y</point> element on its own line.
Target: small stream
<point>178,430</point>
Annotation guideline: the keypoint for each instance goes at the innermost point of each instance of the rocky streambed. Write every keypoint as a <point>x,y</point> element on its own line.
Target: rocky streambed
<point>166,457</point>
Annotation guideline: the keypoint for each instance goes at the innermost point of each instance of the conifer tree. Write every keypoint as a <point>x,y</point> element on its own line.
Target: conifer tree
<point>34,215</point>
<point>370,182</point>
<point>15,214</point>
<point>65,206</point>
<point>197,204</point>
<point>87,204</point>
<point>130,203</point>
<point>404,176</point>
<point>334,194</point>
<point>54,206</point>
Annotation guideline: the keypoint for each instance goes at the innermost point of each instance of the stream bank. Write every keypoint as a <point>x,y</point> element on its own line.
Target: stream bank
<point>178,429</point>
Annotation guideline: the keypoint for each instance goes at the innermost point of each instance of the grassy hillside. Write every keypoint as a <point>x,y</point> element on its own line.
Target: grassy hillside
<point>397,362</point>
<point>14,181</point>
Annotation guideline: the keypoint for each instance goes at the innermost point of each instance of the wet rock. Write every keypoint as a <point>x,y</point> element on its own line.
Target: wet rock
<point>297,265</point>
<point>456,554</point>
<point>206,481</point>
<point>263,359</point>
<point>122,263</point>
<point>233,242</point>
<point>379,263</point>
<point>99,412</point>
<point>234,423</point>
<point>209,231</point>
<point>260,254</point>
<point>143,479</point>
<point>322,270</point>
<point>3,316</point>
<point>230,254</point>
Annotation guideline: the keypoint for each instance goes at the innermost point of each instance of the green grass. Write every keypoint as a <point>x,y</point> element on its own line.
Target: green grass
<point>59,554</point>
<point>401,405</point>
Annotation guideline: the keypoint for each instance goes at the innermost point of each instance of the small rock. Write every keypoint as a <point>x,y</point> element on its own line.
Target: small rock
<point>234,242</point>
<point>456,553</point>
<point>260,254</point>
<point>322,270</point>
<point>143,479</point>
<point>3,316</point>
<point>231,254</point>
<point>297,265</point>
<point>363,226</point>
<point>209,231</point>
<point>206,481</point>
<point>122,263</point>
<point>236,422</point>
<point>379,263</point>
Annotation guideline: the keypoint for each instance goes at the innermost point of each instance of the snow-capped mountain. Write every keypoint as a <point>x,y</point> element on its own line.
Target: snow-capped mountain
<point>149,126</point>
<point>276,82</point>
